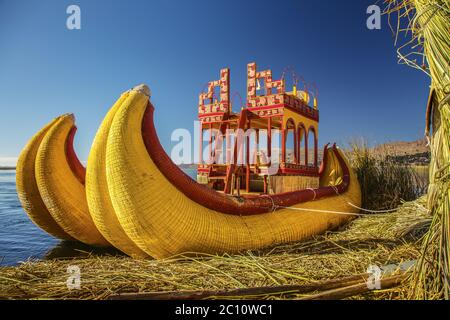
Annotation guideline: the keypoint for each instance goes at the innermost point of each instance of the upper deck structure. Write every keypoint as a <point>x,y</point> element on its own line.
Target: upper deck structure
<point>264,148</point>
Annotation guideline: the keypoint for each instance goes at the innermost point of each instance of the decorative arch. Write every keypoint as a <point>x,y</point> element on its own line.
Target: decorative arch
<point>315,155</point>
<point>302,138</point>
<point>290,127</point>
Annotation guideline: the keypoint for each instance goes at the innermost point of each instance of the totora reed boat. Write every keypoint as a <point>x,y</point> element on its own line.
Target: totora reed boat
<point>248,195</point>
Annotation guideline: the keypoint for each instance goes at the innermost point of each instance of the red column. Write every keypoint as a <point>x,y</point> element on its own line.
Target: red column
<point>210,142</point>
<point>316,156</point>
<point>200,158</point>
<point>306,148</point>
<point>256,146</point>
<point>298,144</point>
<point>269,137</point>
<point>228,147</point>
<point>247,159</point>
<point>265,185</point>
<point>295,147</point>
<point>242,151</point>
<point>269,149</point>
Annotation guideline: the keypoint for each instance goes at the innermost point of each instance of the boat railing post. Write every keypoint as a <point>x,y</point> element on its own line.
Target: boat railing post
<point>269,139</point>
<point>238,186</point>
<point>265,185</point>
<point>233,178</point>
<point>210,144</point>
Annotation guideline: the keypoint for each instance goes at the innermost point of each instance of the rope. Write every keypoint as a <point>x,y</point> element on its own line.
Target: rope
<point>336,190</point>
<point>359,208</point>
<point>314,191</point>
<point>324,211</point>
<point>374,212</point>
<point>371,211</point>
<point>274,207</point>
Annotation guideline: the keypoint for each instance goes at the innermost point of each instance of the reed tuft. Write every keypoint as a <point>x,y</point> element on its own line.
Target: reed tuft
<point>384,182</point>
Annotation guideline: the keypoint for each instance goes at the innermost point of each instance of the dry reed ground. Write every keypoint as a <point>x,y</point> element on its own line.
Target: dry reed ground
<point>374,239</point>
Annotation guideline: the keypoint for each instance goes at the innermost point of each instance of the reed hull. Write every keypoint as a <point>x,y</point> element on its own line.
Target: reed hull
<point>166,213</point>
<point>136,199</point>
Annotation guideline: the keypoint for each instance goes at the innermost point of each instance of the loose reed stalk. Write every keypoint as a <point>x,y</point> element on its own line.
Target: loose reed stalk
<point>427,24</point>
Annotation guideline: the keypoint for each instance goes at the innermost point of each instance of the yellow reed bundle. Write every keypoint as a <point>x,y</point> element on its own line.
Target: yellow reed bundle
<point>427,23</point>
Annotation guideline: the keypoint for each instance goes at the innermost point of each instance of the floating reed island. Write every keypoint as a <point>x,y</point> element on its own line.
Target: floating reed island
<point>332,266</point>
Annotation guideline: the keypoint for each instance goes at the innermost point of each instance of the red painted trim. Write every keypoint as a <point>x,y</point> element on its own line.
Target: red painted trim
<point>212,114</point>
<point>74,163</point>
<point>284,105</point>
<point>298,171</point>
<point>247,205</point>
<point>273,106</point>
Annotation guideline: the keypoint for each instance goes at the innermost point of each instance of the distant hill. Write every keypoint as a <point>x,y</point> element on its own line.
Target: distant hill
<point>401,148</point>
<point>188,166</point>
<point>413,152</point>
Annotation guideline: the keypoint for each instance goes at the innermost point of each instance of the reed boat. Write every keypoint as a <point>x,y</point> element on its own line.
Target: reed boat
<point>135,198</point>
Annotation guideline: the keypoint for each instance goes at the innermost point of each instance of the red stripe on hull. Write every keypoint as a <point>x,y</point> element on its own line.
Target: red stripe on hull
<point>247,205</point>
<point>75,165</point>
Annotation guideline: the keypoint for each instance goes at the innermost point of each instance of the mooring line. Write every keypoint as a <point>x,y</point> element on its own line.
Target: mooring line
<point>324,211</point>
<point>336,190</point>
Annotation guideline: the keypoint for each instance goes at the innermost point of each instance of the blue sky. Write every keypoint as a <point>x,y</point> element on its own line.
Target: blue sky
<point>177,46</point>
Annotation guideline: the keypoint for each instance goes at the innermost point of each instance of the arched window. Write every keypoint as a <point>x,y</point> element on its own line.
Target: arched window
<point>262,156</point>
<point>290,149</point>
<point>312,147</point>
<point>301,142</point>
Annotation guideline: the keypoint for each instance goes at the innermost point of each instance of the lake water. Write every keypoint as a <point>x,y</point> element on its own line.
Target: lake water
<point>20,239</point>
